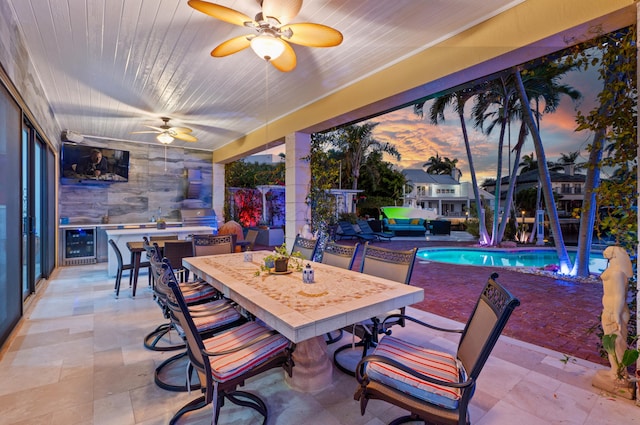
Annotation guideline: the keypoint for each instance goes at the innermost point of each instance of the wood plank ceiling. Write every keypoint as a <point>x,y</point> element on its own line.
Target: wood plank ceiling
<point>108,67</point>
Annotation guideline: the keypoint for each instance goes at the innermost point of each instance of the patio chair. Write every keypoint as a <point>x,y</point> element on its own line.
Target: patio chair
<point>124,267</point>
<point>196,292</point>
<point>346,230</point>
<point>212,244</point>
<point>306,247</point>
<point>210,318</point>
<point>225,361</point>
<point>341,256</point>
<point>338,255</point>
<point>390,264</point>
<point>435,386</point>
<point>175,251</point>
<point>251,237</point>
<point>367,230</point>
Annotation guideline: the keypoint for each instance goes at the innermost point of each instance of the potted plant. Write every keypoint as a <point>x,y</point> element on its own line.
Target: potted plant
<point>281,261</point>
<point>161,223</point>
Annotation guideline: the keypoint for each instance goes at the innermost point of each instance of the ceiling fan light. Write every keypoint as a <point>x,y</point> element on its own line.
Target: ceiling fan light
<point>267,46</point>
<point>164,138</point>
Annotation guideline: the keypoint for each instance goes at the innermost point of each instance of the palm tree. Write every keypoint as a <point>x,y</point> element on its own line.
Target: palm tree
<point>543,173</point>
<point>434,165</point>
<point>570,160</point>
<point>541,83</point>
<point>494,101</point>
<point>436,113</point>
<point>613,121</point>
<point>440,165</point>
<point>356,142</point>
<point>528,163</point>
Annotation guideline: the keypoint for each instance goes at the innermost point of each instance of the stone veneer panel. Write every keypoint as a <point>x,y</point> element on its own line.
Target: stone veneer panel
<point>149,188</point>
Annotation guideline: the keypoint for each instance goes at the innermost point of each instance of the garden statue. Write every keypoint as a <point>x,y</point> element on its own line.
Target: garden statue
<point>615,316</point>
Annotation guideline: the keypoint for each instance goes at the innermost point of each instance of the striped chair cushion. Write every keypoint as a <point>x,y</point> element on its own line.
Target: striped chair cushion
<point>428,362</point>
<point>196,293</point>
<point>210,306</point>
<point>229,366</point>
<point>221,316</point>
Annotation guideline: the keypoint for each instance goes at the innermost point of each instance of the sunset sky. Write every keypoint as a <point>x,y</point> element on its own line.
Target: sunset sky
<point>417,140</point>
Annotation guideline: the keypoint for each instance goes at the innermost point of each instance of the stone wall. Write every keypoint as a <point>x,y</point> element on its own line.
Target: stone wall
<point>150,187</point>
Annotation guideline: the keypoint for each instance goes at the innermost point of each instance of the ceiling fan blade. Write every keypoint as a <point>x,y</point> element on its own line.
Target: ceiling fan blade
<point>283,10</point>
<point>313,35</point>
<point>222,13</point>
<point>143,132</point>
<point>180,130</point>
<point>231,46</point>
<point>158,129</point>
<point>287,60</point>
<point>184,137</point>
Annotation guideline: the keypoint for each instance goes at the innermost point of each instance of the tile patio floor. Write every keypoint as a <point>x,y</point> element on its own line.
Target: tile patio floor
<point>77,358</point>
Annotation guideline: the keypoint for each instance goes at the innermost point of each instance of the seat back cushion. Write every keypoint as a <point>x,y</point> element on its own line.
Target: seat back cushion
<point>480,327</point>
<point>436,364</point>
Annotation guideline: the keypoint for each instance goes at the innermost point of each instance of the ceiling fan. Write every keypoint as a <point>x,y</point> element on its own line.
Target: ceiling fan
<point>167,133</point>
<point>273,33</point>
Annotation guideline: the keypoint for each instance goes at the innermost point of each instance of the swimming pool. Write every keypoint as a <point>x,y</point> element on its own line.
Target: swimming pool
<point>498,257</point>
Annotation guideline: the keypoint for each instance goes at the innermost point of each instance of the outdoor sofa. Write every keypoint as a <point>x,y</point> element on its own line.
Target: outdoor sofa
<point>405,226</point>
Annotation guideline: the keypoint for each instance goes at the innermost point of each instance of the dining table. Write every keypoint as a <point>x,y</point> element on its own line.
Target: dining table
<point>303,312</point>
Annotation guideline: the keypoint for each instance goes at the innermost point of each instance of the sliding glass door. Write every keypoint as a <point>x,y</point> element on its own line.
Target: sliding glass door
<point>38,214</point>
<point>10,195</point>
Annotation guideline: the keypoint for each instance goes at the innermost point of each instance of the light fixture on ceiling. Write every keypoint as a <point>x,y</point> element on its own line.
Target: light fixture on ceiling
<point>167,133</point>
<point>267,46</point>
<point>273,29</point>
<point>164,138</point>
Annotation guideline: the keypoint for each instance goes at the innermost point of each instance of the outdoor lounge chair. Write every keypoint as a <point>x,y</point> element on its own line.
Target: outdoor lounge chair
<point>435,386</point>
<point>367,230</point>
<point>347,230</point>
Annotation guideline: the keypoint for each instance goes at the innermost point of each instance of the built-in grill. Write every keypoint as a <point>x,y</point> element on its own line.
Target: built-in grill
<point>199,217</point>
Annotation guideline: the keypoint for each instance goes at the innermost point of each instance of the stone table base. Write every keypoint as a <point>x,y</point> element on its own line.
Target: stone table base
<point>313,370</point>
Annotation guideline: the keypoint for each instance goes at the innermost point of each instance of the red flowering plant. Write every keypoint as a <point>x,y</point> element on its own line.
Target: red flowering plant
<point>248,206</point>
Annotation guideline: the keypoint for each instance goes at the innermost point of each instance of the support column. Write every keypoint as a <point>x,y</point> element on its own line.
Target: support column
<point>218,191</point>
<point>297,177</point>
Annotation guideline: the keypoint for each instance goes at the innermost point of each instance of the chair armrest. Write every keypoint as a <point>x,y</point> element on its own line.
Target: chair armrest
<point>397,317</point>
<point>259,338</point>
<point>363,379</point>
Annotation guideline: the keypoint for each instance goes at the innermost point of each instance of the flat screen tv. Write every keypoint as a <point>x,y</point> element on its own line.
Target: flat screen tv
<point>92,164</point>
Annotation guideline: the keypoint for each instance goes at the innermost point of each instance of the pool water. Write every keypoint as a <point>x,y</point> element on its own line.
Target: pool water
<point>496,257</point>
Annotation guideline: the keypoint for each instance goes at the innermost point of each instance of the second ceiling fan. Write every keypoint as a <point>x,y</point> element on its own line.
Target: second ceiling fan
<point>167,133</point>
<point>273,33</point>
